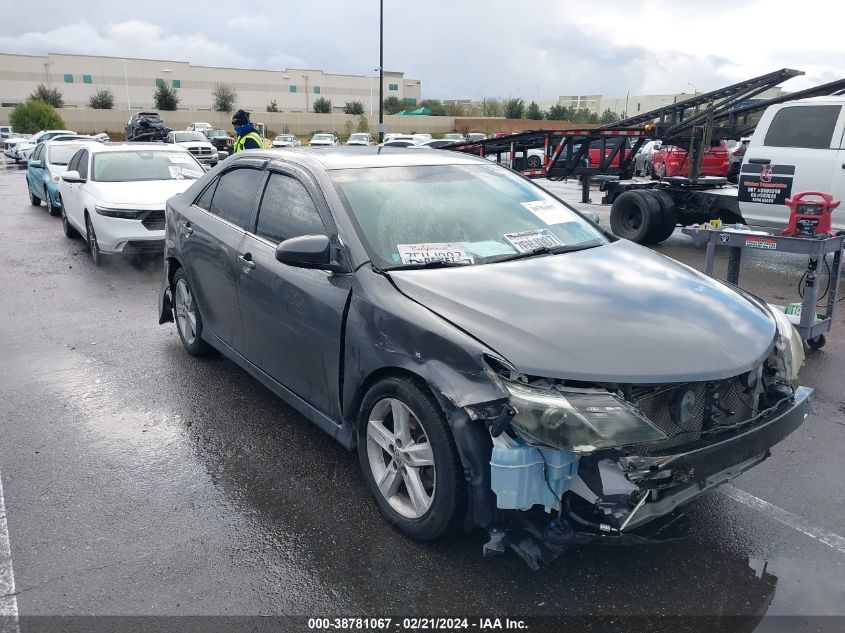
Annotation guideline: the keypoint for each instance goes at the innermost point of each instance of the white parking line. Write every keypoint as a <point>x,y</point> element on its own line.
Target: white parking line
<point>787,518</point>
<point>8,600</point>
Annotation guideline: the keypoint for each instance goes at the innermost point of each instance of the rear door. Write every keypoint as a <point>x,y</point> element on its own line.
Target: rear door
<point>795,148</point>
<point>293,316</point>
<point>209,234</point>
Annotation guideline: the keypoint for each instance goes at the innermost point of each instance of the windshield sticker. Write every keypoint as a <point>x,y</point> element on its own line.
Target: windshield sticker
<point>527,241</point>
<point>488,248</point>
<point>549,212</point>
<point>424,253</point>
<point>179,157</point>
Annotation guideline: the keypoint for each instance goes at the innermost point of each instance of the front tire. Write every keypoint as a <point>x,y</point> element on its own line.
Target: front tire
<point>409,459</point>
<point>187,316</point>
<point>93,246</point>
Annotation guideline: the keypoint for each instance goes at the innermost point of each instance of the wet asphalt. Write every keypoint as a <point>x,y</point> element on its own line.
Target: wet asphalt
<point>140,481</point>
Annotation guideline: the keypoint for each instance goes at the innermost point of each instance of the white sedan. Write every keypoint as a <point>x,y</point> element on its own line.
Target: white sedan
<point>115,194</point>
<point>322,139</point>
<point>22,151</point>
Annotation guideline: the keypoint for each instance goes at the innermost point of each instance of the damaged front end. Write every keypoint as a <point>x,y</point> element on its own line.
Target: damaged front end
<point>611,463</point>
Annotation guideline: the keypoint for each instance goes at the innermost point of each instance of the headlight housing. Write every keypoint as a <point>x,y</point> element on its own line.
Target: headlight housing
<point>123,214</point>
<point>581,420</point>
<point>789,348</point>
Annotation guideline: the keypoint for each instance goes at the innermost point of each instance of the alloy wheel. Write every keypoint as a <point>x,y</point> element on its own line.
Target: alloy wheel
<point>92,242</point>
<point>186,315</point>
<point>401,458</point>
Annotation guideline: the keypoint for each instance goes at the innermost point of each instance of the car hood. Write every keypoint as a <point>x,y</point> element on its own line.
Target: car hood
<point>616,313</point>
<point>146,193</point>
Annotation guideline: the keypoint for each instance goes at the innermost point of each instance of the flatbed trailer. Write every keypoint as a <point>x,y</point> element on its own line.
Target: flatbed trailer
<point>648,211</point>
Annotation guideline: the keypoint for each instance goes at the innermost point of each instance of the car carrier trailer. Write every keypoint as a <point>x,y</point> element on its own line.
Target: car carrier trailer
<point>643,211</point>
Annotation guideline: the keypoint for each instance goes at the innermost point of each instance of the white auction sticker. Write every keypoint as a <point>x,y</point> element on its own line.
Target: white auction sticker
<point>443,251</point>
<point>531,240</point>
<point>547,211</point>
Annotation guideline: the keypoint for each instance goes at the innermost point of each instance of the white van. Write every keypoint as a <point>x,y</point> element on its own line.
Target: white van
<point>797,146</point>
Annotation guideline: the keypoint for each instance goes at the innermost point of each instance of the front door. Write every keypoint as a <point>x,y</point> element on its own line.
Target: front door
<point>293,316</point>
<point>209,234</point>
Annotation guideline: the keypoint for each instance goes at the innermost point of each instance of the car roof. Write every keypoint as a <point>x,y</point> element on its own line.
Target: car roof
<point>352,157</point>
<point>117,147</point>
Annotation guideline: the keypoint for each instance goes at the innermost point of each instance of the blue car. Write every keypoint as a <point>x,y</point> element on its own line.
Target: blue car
<point>49,161</point>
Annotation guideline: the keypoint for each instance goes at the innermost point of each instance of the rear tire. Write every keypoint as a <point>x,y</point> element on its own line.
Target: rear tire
<point>67,229</point>
<point>49,202</point>
<point>187,315</point>
<point>34,200</point>
<point>668,215</point>
<point>636,216</point>
<point>439,502</point>
<point>534,162</point>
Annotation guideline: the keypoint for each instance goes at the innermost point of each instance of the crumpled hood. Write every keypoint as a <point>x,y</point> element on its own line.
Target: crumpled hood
<point>616,313</point>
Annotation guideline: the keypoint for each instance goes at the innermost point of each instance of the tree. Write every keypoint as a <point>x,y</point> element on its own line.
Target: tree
<point>453,109</point>
<point>102,99</point>
<point>322,105</point>
<point>608,116</point>
<point>534,112</point>
<point>490,106</point>
<point>347,129</point>
<point>392,105</point>
<point>165,97</point>
<point>224,97</point>
<point>363,123</point>
<point>435,105</point>
<point>32,116</point>
<point>558,113</point>
<point>47,95</point>
<point>353,107</point>
<point>273,106</point>
<point>514,108</point>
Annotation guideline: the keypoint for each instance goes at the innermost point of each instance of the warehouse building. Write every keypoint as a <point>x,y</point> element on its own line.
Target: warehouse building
<point>133,82</point>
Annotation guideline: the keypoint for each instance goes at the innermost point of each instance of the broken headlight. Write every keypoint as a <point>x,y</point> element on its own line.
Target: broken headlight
<point>581,420</point>
<point>788,355</point>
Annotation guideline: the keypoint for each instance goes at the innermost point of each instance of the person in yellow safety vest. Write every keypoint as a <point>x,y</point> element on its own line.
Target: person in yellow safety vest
<point>248,137</point>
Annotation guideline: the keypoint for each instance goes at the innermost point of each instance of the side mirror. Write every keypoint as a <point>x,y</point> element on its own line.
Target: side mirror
<point>36,164</point>
<point>72,176</point>
<point>307,251</point>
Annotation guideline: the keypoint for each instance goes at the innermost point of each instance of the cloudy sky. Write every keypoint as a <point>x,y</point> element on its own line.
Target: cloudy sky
<point>462,48</point>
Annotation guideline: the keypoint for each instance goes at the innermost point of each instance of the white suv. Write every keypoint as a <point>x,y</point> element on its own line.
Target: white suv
<point>115,194</point>
<point>797,146</point>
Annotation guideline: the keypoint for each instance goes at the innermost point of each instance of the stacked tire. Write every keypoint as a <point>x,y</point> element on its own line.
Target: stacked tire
<point>644,216</point>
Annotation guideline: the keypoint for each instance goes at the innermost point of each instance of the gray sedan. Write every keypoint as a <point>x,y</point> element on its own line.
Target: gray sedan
<point>495,358</point>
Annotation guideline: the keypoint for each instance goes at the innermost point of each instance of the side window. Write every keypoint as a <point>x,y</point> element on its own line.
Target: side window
<point>83,164</point>
<point>803,126</point>
<point>204,200</point>
<point>232,200</point>
<point>73,163</point>
<point>39,152</point>
<point>287,210</point>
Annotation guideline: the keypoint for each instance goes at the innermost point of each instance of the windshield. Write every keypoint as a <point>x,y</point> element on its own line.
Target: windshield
<point>145,165</point>
<point>322,137</point>
<point>468,214</point>
<point>182,137</point>
<point>61,154</point>
<point>454,136</point>
<point>215,133</point>
<point>284,137</point>
<point>358,137</point>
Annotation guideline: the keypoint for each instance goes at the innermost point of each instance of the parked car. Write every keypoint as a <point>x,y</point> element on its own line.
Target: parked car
<point>114,194</point>
<point>146,126</point>
<point>6,131</point>
<point>324,139</point>
<point>286,140</point>
<point>199,127</point>
<point>642,160</point>
<point>21,151</point>
<point>476,136</point>
<point>431,310</point>
<point>360,138</point>
<point>437,143</point>
<point>419,139</point>
<point>457,137</point>
<point>797,146</point>
<point>671,160</point>
<point>197,143</point>
<point>220,139</point>
<point>735,160</point>
<point>400,142</point>
<point>43,171</point>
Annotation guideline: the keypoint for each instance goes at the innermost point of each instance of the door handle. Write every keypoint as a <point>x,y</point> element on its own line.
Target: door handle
<point>188,228</point>
<point>246,260</point>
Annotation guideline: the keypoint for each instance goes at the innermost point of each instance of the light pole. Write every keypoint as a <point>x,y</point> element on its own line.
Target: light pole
<point>307,105</point>
<point>375,70</point>
<point>126,83</point>
<point>381,71</point>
